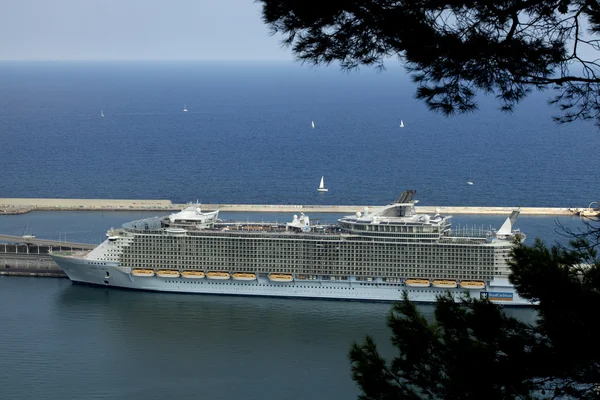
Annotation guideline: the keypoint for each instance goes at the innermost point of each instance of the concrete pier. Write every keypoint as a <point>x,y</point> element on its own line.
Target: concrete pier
<point>40,244</point>
<point>23,205</point>
<point>22,264</point>
<point>19,258</point>
<point>19,205</point>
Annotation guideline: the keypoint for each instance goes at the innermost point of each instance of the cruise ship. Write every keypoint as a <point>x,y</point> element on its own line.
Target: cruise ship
<point>373,255</point>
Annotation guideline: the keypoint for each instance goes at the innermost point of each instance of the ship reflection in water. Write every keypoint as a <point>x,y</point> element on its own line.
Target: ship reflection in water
<point>114,344</point>
<point>82,343</point>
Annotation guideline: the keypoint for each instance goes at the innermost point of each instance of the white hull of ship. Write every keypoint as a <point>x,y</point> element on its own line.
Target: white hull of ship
<point>111,275</point>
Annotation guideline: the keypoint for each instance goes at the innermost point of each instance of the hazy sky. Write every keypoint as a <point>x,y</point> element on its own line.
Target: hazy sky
<point>138,30</point>
<point>135,30</point>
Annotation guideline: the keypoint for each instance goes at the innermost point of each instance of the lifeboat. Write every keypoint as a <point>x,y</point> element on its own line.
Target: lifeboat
<point>444,283</point>
<point>167,273</point>
<point>244,276</point>
<point>417,282</point>
<point>472,285</point>
<point>142,272</point>
<point>218,275</point>
<point>193,274</point>
<point>281,277</point>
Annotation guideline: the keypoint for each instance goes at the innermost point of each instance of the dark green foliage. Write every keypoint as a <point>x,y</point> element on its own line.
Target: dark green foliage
<point>474,351</point>
<point>569,299</point>
<point>454,49</point>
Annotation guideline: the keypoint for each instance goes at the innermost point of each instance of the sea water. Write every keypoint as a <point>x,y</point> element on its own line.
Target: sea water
<point>246,138</point>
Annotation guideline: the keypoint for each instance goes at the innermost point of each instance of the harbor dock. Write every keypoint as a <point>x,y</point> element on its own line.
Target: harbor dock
<point>29,257</point>
<point>24,205</point>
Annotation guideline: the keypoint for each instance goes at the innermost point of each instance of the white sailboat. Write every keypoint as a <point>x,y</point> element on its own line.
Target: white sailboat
<point>401,124</point>
<point>184,108</point>
<point>101,114</point>
<point>470,181</point>
<point>27,234</point>
<point>322,186</point>
<point>313,124</point>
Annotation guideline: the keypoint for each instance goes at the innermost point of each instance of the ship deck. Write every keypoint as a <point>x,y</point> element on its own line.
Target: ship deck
<point>278,229</point>
<point>80,254</point>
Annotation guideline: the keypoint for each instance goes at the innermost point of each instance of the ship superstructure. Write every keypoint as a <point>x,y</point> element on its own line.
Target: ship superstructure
<point>372,255</point>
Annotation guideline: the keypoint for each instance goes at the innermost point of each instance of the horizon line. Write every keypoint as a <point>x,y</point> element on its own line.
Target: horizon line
<point>150,60</point>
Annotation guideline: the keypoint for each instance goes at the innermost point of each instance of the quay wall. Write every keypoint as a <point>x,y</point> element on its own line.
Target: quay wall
<point>20,258</point>
<point>23,205</point>
<point>29,265</point>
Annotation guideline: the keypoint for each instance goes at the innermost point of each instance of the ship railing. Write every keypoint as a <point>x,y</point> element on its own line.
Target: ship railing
<point>267,233</point>
<point>463,240</point>
<point>469,231</point>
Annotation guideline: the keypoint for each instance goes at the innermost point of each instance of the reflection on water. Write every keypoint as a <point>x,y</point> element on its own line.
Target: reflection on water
<point>85,342</point>
<point>60,340</point>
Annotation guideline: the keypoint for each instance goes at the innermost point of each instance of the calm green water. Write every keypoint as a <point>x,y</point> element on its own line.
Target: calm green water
<point>64,341</point>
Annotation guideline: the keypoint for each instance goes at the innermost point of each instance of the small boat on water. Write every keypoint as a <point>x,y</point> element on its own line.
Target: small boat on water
<point>281,277</point>
<point>184,108</point>
<point>101,114</point>
<point>313,124</point>
<point>244,276</point>
<point>193,274</point>
<point>218,275</point>
<point>401,124</point>
<point>591,211</point>
<point>417,282</point>
<point>27,234</point>
<point>472,285</point>
<point>589,214</point>
<point>167,273</point>
<point>142,272</point>
<point>444,283</point>
<point>322,186</point>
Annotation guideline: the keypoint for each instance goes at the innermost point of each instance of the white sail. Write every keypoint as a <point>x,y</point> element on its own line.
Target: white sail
<point>101,114</point>
<point>184,108</point>
<point>313,124</point>
<point>322,186</point>
<point>401,124</point>
<point>26,233</point>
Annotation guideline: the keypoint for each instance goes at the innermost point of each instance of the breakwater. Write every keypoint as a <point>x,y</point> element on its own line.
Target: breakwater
<point>24,205</point>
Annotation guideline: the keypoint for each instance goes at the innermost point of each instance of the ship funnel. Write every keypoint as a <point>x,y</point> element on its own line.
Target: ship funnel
<point>513,216</point>
<point>406,196</point>
<point>506,228</point>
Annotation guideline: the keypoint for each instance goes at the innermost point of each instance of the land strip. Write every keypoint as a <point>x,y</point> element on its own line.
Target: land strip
<point>23,205</point>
